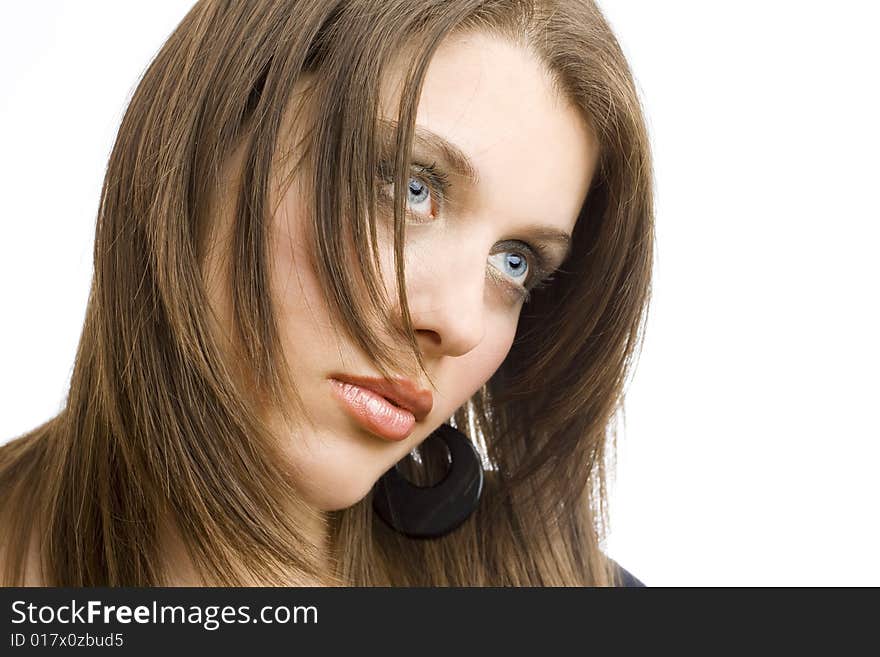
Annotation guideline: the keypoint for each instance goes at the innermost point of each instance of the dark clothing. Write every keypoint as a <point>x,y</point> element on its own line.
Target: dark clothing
<point>627,579</point>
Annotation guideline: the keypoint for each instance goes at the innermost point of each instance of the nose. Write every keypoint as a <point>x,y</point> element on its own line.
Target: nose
<point>447,306</point>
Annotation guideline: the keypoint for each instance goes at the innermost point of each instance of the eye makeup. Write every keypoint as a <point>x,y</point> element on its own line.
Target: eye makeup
<point>436,179</point>
<point>426,142</point>
<point>540,262</point>
<point>538,254</point>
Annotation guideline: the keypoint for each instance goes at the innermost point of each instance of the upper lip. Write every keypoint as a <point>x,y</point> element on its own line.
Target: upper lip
<point>402,392</point>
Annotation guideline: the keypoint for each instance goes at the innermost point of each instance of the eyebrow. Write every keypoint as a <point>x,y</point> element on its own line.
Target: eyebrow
<point>459,163</point>
<point>550,236</point>
<point>423,139</point>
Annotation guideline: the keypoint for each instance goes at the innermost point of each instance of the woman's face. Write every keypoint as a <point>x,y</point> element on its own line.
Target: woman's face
<point>467,256</point>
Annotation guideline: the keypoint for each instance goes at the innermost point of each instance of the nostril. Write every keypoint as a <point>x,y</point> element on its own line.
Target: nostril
<point>430,335</point>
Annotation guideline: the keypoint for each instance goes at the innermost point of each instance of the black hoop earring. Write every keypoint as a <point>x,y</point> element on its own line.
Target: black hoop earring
<point>432,511</point>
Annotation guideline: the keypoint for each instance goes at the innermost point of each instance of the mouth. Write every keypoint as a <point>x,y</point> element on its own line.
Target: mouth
<point>388,409</point>
<point>400,393</point>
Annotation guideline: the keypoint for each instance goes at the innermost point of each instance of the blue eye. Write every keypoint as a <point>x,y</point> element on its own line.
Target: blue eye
<point>523,267</point>
<point>425,192</point>
<point>514,265</point>
<point>417,193</point>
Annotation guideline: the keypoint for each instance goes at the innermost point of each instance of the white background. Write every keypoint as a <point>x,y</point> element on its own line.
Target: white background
<point>750,454</point>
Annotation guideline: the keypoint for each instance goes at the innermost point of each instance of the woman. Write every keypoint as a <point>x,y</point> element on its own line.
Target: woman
<point>277,342</point>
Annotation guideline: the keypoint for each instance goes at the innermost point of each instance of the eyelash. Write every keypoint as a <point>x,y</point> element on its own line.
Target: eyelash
<point>438,183</point>
<point>437,179</point>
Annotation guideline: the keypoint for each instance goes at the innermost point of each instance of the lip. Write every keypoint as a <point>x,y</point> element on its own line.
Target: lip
<point>402,392</point>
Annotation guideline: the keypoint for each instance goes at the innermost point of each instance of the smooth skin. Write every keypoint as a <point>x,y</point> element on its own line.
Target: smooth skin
<point>534,156</point>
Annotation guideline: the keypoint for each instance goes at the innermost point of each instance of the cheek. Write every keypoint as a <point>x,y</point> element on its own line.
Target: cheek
<point>470,371</point>
<point>463,375</point>
<point>494,348</point>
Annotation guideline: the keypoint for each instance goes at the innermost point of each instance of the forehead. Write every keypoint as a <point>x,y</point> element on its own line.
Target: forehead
<point>533,152</point>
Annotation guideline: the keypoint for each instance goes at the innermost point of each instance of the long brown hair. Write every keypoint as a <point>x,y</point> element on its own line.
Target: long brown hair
<point>160,424</point>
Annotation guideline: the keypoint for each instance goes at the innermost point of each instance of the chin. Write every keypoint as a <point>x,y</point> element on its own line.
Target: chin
<point>340,494</point>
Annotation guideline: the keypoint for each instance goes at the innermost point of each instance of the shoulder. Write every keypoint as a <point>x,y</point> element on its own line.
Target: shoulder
<point>625,578</point>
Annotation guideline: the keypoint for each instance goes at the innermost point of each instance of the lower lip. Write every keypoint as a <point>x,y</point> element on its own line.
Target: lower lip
<point>374,412</point>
